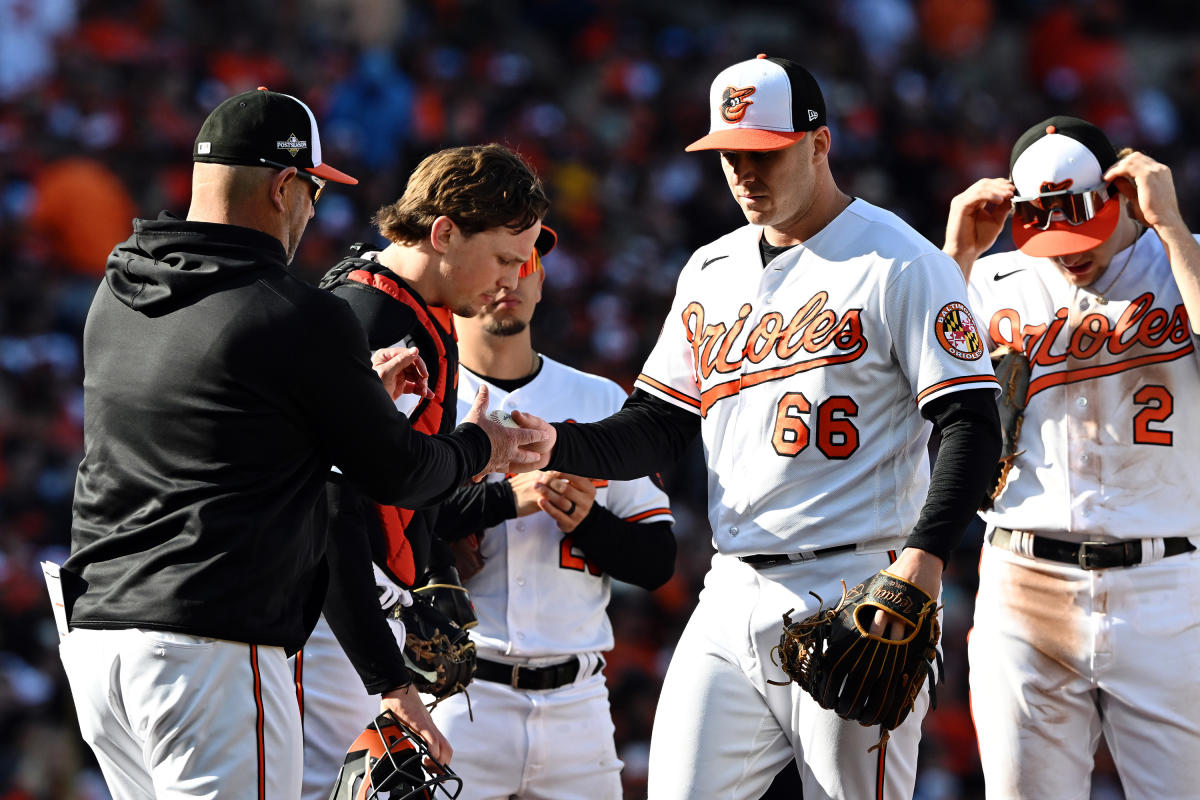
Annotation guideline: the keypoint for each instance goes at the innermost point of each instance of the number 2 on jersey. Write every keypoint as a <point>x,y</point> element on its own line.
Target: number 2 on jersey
<point>568,558</point>
<point>835,433</point>
<point>1159,405</point>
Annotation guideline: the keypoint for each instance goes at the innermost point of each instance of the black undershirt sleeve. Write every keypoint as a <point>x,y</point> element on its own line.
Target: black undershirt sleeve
<point>647,435</point>
<point>641,553</point>
<point>475,507</point>
<point>352,603</point>
<point>606,539</point>
<point>970,447</point>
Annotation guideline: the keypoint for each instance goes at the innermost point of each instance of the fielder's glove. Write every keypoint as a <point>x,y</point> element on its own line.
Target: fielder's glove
<point>1012,371</point>
<point>439,654</point>
<point>870,679</point>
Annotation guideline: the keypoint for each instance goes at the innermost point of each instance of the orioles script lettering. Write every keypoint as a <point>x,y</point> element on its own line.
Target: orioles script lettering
<point>1140,324</point>
<point>720,348</point>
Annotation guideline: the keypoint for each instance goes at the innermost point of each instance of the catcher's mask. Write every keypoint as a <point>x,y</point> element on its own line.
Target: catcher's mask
<point>387,762</point>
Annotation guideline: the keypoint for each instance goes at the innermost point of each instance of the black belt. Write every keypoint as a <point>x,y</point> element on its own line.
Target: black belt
<point>765,560</point>
<point>1093,555</point>
<point>535,678</point>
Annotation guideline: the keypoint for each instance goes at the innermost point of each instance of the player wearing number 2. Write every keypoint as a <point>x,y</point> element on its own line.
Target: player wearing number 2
<point>1088,581</point>
<point>538,555</point>
<point>810,349</point>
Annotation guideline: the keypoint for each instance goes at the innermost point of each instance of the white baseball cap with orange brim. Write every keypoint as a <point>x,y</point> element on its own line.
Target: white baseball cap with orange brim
<point>1062,204</point>
<point>762,104</point>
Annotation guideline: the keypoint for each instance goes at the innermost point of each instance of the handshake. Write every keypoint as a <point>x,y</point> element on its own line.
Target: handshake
<point>520,443</point>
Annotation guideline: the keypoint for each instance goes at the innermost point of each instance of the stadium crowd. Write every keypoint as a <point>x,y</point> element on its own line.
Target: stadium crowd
<point>100,98</point>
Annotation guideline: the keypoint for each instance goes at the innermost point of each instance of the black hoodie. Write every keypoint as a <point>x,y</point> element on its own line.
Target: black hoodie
<point>218,391</point>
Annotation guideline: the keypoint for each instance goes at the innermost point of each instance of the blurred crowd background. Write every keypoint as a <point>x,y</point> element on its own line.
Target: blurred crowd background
<point>100,101</point>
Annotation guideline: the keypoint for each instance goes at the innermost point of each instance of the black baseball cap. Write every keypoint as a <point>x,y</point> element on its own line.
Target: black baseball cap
<point>546,240</point>
<point>261,125</point>
<point>1062,154</point>
<point>762,104</point>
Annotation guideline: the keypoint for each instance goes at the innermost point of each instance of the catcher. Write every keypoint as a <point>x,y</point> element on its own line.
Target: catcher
<point>468,219</point>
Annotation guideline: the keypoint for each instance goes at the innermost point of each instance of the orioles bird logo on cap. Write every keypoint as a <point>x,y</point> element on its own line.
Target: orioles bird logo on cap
<point>734,104</point>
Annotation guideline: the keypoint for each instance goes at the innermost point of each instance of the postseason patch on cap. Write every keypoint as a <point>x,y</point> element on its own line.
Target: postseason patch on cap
<point>292,145</point>
<point>264,128</point>
<point>957,334</point>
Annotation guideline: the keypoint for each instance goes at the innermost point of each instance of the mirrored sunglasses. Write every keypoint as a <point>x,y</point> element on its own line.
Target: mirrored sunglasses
<point>531,266</point>
<point>1075,208</point>
<point>318,184</point>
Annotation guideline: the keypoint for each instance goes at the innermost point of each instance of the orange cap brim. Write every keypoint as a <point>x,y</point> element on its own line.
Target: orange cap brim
<point>330,174</point>
<point>746,139</point>
<point>1064,239</point>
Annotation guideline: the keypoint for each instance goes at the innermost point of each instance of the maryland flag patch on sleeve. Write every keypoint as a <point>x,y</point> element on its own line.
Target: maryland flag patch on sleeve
<point>956,332</point>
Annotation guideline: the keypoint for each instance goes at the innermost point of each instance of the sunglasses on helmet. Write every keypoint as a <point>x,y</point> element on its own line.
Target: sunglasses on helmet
<point>318,184</point>
<point>1075,208</point>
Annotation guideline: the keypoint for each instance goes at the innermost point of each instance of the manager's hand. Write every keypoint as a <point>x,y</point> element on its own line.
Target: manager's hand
<point>513,449</point>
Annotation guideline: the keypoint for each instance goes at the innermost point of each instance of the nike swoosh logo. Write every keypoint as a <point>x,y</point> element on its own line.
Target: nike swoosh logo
<point>711,260</point>
<point>999,276</point>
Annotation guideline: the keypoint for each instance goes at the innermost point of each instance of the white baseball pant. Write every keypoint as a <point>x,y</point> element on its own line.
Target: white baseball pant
<point>334,708</point>
<point>172,716</point>
<point>722,731</point>
<point>1059,655</point>
<point>555,744</point>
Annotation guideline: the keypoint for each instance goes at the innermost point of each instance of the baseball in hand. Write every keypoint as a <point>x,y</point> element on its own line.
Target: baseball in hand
<point>502,418</point>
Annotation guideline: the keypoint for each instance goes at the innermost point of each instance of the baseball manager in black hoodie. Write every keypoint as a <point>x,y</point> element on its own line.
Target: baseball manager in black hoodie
<point>218,391</point>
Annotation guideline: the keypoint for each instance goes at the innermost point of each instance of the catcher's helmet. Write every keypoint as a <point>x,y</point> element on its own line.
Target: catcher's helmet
<point>388,762</point>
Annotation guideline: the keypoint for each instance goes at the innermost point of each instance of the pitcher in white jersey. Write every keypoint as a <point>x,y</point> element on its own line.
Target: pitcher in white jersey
<point>538,554</point>
<point>1085,622</point>
<point>810,349</point>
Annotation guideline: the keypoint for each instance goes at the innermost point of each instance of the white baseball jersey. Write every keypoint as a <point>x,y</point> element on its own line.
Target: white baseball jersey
<point>809,375</point>
<point>537,596</point>
<point>1109,379</point>
<point>1109,445</point>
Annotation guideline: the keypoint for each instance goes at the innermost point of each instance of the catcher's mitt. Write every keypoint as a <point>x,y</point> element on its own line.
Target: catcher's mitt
<point>438,653</point>
<point>1012,371</point>
<point>446,593</point>
<point>869,679</point>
